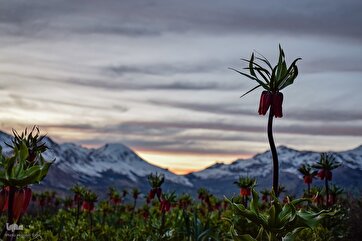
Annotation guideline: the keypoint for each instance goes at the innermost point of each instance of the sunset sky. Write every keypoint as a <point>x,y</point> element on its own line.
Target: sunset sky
<point>154,75</point>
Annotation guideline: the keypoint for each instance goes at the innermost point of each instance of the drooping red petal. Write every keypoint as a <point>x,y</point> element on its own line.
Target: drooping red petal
<point>265,101</point>
<point>277,105</point>
<point>19,198</point>
<point>27,199</point>
<point>4,195</point>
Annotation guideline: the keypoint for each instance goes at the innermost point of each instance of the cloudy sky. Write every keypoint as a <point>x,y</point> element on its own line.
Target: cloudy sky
<point>154,74</point>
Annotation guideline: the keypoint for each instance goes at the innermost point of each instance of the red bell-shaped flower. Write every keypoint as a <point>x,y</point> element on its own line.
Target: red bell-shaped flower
<point>165,206</point>
<point>4,195</point>
<point>245,191</point>
<point>151,194</point>
<point>265,101</point>
<point>321,174</point>
<point>18,203</point>
<point>308,179</point>
<point>277,104</point>
<point>88,206</point>
<point>26,199</point>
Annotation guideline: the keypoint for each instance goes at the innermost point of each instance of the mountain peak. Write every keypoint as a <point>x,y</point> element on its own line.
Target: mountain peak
<point>115,149</point>
<point>284,148</point>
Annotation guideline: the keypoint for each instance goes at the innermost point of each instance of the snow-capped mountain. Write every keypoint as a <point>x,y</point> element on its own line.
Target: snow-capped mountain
<point>221,176</point>
<point>117,165</point>
<point>110,165</point>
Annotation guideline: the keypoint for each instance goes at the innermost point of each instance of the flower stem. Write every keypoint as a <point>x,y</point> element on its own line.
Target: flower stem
<point>274,152</point>
<point>78,211</point>
<point>327,192</point>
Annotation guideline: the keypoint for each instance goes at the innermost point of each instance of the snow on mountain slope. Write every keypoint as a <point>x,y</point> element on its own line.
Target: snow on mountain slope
<point>77,161</point>
<point>104,165</point>
<point>289,160</point>
<point>116,157</point>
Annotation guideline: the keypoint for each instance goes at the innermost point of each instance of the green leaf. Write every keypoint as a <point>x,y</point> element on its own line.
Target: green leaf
<point>251,67</point>
<point>9,166</point>
<point>254,204</point>
<point>257,66</point>
<point>250,91</point>
<point>24,153</point>
<point>265,86</point>
<point>281,63</point>
<point>246,237</point>
<point>265,60</point>
<point>288,81</point>
<point>253,217</point>
<point>260,72</point>
<point>288,214</point>
<point>271,220</point>
<point>44,171</point>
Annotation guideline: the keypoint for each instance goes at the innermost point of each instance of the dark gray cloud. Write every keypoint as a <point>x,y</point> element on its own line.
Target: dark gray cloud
<point>165,69</point>
<point>124,85</point>
<point>39,102</point>
<point>222,108</point>
<point>322,129</point>
<point>128,30</point>
<point>332,18</point>
<point>164,128</point>
<point>238,110</point>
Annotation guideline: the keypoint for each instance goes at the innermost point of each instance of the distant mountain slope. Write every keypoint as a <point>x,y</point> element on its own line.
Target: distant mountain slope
<point>117,165</point>
<point>221,176</point>
<point>110,165</point>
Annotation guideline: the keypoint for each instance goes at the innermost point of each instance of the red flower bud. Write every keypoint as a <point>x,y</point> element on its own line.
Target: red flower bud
<point>245,191</point>
<point>88,206</point>
<point>321,174</point>
<point>308,179</point>
<point>19,198</point>
<point>116,200</point>
<point>277,104</point>
<point>265,100</point>
<point>27,199</point>
<point>165,206</point>
<point>151,194</point>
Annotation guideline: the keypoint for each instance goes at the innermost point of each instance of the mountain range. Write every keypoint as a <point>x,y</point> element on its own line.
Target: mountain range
<point>117,165</point>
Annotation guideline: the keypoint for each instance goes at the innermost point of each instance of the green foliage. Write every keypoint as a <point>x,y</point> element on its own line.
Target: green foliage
<point>245,182</point>
<point>327,162</point>
<point>279,221</point>
<point>26,165</point>
<point>156,180</point>
<point>271,78</point>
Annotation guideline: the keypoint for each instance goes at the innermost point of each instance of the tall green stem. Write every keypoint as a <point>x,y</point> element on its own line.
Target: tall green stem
<point>308,189</point>
<point>274,152</point>
<point>327,191</point>
<point>78,211</point>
